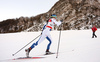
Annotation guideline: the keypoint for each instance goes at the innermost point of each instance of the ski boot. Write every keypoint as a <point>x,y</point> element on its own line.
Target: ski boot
<point>27,52</point>
<point>48,52</point>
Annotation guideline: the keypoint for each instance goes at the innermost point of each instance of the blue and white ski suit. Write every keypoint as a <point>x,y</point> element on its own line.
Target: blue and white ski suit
<point>46,33</point>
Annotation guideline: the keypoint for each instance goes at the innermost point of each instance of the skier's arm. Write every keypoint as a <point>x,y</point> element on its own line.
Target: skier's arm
<point>96,29</point>
<point>43,28</point>
<point>58,23</point>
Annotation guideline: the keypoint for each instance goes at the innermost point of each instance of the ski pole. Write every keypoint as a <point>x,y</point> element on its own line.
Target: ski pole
<point>25,46</point>
<point>58,42</point>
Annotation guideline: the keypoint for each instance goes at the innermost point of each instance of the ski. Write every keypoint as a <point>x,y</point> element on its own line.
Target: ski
<point>21,58</point>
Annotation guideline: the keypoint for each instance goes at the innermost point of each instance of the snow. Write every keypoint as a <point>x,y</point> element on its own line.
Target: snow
<point>75,46</point>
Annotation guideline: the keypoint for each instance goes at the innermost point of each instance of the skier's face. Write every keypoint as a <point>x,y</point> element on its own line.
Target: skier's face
<point>54,18</point>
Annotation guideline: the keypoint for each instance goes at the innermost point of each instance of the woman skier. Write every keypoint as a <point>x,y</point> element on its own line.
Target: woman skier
<point>45,34</point>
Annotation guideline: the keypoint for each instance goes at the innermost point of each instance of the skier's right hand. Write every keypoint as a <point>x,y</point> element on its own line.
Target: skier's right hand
<point>41,33</point>
<point>61,20</point>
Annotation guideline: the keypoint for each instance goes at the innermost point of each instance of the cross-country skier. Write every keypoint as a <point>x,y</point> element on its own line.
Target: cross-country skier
<point>45,34</point>
<point>94,30</point>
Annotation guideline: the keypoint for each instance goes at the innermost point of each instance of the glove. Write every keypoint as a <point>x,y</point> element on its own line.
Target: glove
<point>61,20</point>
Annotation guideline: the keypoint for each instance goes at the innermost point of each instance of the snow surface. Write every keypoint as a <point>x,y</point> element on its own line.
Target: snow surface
<point>75,46</point>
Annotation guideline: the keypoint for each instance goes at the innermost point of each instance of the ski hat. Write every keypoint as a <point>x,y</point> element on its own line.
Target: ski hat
<point>54,16</point>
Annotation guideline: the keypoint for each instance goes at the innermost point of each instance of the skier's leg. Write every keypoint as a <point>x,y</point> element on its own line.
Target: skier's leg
<point>35,44</point>
<point>48,46</point>
<point>96,36</point>
<point>38,42</point>
<point>93,35</point>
